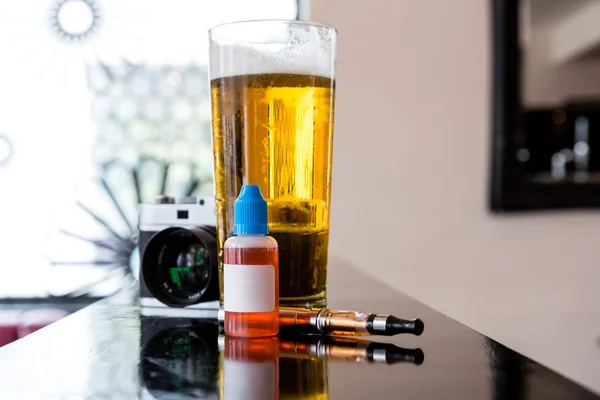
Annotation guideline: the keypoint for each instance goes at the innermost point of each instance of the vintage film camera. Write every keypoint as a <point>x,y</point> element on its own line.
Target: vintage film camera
<point>178,250</point>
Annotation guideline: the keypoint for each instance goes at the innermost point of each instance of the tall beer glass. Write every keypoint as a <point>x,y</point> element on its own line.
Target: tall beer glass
<point>272,98</point>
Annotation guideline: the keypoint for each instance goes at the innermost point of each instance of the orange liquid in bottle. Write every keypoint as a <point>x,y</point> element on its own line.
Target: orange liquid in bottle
<point>253,324</point>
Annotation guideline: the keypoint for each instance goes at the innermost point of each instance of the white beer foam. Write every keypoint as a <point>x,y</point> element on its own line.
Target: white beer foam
<point>296,48</point>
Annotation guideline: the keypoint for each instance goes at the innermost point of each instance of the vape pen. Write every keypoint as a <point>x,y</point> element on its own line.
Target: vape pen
<point>343,323</point>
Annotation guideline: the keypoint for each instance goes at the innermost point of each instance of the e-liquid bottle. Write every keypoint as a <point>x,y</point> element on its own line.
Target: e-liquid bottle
<point>251,270</point>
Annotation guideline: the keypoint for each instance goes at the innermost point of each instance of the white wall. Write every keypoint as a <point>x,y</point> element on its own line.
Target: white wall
<point>411,168</point>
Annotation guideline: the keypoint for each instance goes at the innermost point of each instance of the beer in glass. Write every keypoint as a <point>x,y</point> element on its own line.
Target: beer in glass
<point>272,98</point>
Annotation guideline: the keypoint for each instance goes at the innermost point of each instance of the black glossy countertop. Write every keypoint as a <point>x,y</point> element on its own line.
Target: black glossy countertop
<point>106,351</point>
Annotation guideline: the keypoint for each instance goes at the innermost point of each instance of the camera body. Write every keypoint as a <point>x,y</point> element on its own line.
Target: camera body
<point>178,251</point>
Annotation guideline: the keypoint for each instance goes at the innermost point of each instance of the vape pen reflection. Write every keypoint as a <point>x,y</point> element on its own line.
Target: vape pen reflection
<point>304,361</point>
<point>347,349</point>
<point>188,359</point>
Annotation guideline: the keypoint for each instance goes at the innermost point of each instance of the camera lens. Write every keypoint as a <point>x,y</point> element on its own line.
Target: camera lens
<point>180,266</point>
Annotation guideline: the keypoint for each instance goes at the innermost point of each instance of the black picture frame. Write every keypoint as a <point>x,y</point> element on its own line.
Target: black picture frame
<point>509,190</point>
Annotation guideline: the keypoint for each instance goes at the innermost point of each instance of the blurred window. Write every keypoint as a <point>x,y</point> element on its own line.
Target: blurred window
<point>96,93</point>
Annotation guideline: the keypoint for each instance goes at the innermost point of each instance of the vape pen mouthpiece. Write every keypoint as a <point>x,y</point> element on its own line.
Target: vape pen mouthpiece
<point>397,325</point>
<point>388,325</point>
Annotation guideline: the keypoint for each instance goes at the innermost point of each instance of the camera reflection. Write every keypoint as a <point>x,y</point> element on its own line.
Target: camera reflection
<point>191,359</point>
<point>179,358</point>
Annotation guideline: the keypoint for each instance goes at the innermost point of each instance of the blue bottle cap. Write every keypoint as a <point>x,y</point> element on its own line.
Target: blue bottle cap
<point>250,215</point>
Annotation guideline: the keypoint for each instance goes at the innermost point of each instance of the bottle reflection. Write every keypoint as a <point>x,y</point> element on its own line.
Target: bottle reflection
<point>250,368</point>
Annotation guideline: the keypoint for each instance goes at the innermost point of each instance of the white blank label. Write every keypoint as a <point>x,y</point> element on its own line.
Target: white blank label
<point>249,288</point>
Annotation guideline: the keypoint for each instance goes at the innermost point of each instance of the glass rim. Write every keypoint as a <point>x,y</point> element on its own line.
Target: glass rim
<point>212,32</point>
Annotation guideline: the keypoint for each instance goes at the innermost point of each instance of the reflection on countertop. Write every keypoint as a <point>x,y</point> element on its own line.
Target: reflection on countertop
<point>106,351</point>
<point>191,358</point>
